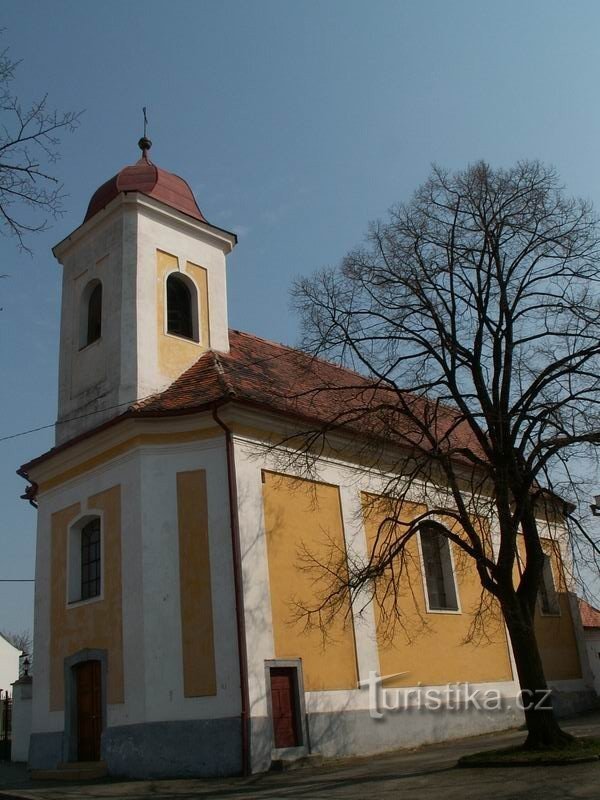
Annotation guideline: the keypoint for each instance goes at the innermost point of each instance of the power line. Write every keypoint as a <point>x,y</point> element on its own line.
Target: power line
<point>235,366</point>
<point>17,580</point>
<point>243,364</point>
<point>72,419</point>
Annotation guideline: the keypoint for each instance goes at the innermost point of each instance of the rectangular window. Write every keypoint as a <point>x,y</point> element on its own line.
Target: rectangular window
<point>439,575</point>
<point>90,559</point>
<point>548,596</point>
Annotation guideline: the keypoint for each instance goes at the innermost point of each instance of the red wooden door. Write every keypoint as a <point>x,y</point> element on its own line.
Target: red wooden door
<point>89,710</point>
<point>283,703</point>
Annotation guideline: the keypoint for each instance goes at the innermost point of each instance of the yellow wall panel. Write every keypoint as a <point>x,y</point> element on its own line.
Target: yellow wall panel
<point>94,624</point>
<point>176,354</point>
<point>556,634</point>
<point>431,646</point>
<point>305,514</point>
<point>199,674</point>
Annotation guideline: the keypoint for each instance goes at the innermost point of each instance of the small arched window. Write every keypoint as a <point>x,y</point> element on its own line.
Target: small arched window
<point>180,317</point>
<point>91,314</point>
<point>94,323</point>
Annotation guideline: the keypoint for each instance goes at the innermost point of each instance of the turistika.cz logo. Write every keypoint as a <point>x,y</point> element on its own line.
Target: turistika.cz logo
<point>451,697</point>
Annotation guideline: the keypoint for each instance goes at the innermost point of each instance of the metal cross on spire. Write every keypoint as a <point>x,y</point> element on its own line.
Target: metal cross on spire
<point>144,143</point>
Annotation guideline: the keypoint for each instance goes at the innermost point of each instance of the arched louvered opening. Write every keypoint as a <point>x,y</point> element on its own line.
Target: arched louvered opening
<point>181,298</point>
<point>91,314</point>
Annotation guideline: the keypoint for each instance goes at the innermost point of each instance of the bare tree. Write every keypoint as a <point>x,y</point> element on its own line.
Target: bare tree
<point>29,141</point>
<point>19,639</point>
<point>473,314</point>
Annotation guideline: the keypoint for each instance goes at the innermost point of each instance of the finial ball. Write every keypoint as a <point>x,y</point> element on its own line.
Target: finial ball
<point>144,144</point>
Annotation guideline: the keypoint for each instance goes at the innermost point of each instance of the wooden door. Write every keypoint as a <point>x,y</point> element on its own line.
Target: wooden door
<point>89,710</point>
<point>283,704</point>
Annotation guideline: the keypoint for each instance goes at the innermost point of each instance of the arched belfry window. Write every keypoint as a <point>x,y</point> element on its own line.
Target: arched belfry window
<point>91,314</point>
<point>94,321</point>
<point>181,302</point>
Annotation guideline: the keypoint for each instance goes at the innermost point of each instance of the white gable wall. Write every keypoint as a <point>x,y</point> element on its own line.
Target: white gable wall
<point>9,665</point>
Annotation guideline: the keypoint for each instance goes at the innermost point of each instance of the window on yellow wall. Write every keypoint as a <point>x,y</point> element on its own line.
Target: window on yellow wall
<point>180,311</point>
<point>85,559</point>
<point>548,596</point>
<point>440,585</point>
<point>90,559</point>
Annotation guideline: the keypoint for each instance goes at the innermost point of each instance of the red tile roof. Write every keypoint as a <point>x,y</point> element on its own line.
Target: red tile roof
<point>590,616</point>
<point>280,379</point>
<point>146,178</point>
<point>284,380</point>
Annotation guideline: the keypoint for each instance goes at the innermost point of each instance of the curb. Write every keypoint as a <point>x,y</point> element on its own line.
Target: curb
<point>546,762</point>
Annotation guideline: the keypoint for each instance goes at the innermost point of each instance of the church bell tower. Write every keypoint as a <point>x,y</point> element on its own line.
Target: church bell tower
<point>143,294</point>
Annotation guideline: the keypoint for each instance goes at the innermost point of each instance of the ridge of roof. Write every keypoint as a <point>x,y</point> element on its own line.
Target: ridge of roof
<point>297,385</point>
<point>226,384</point>
<point>308,356</point>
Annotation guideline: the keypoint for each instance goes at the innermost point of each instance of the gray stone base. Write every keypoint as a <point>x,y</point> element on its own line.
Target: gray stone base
<point>45,750</point>
<point>568,703</point>
<point>206,748</point>
<point>194,748</point>
<point>356,733</point>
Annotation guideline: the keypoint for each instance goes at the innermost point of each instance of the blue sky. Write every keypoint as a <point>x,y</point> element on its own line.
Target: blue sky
<point>295,124</point>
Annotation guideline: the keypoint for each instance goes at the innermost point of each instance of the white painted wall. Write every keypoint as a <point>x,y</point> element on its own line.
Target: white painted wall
<point>161,596</point>
<point>118,247</point>
<point>101,375</point>
<point>21,721</point>
<point>152,648</point>
<point>9,665</point>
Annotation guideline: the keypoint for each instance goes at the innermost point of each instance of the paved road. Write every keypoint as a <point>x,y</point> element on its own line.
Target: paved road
<point>424,774</point>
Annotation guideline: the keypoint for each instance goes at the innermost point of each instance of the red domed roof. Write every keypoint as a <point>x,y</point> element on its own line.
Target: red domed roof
<point>147,178</point>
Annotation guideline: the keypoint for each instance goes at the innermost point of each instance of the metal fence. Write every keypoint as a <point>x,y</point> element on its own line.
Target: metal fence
<point>5,725</point>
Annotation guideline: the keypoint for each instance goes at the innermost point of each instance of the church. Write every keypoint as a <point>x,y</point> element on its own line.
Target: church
<point>167,640</point>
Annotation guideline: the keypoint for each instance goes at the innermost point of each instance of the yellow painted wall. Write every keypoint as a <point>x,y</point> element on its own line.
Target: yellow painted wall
<point>104,455</point>
<point>176,354</point>
<point>556,634</point>
<point>199,675</point>
<point>301,514</point>
<point>431,647</point>
<point>94,624</point>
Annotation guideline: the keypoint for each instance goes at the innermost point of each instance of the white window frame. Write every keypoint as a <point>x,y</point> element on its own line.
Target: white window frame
<point>73,581</point>
<point>458,609</point>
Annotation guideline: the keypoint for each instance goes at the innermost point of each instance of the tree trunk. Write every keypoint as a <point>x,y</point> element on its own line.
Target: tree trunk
<point>542,726</point>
